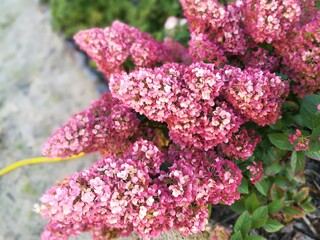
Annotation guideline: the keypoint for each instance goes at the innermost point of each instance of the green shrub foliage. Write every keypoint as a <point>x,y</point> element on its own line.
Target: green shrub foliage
<point>69,17</point>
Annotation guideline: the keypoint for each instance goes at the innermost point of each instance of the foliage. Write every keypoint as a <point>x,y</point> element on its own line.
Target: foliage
<point>282,194</point>
<point>70,17</point>
<point>184,128</point>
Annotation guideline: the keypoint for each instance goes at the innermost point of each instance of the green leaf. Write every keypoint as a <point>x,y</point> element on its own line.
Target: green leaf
<point>209,210</point>
<point>236,236</point>
<point>238,206</point>
<point>281,141</point>
<point>259,217</point>
<point>283,182</point>
<point>270,48</point>
<point>308,207</point>
<point>243,188</point>
<point>254,237</point>
<point>273,226</point>
<point>275,154</point>
<point>275,206</point>
<point>294,212</point>
<point>298,161</point>
<point>313,155</point>
<point>252,203</point>
<point>263,187</point>
<point>314,144</point>
<point>298,120</point>
<point>276,192</point>
<point>309,113</point>
<point>279,125</point>
<point>297,177</point>
<point>301,195</point>
<point>273,169</point>
<point>289,105</point>
<point>243,224</point>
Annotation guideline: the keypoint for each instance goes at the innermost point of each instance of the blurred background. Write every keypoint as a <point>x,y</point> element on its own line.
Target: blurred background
<point>43,80</point>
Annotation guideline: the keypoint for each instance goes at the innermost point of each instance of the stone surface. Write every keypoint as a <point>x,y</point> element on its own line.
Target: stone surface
<point>42,82</point>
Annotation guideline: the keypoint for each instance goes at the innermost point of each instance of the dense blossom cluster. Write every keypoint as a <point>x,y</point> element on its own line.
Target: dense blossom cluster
<point>241,145</point>
<point>245,34</point>
<point>301,55</point>
<point>299,141</point>
<point>106,126</point>
<point>262,59</point>
<point>202,106</point>
<point>269,21</point>
<point>256,94</point>
<point>176,122</point>
<point>111,47</point>
<point>132,193</point>
<point>256,172</point>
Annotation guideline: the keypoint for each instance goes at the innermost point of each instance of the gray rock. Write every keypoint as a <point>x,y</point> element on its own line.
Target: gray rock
<point>42,82</point>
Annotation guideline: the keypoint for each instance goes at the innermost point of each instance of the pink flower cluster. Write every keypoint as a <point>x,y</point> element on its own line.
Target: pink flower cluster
<point>195,100</point>
<point>105,126</point>
<point>241,145</point>
<point>256,172</point>
<point>170,129</point>
<point>257,94</point>
<point>111,47</point>
<point>118,195</point>
<point>269,21</point>
<point>262,59</point>
<point>215,30</point>
<point>299,141</point>
<point>241,34</point>
<point>301,55</point>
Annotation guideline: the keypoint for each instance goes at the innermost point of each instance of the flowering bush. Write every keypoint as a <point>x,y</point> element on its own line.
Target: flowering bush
<point>186,128</point>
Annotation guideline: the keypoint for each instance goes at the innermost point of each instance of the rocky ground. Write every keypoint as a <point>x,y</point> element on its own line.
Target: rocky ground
<point>42,81</point>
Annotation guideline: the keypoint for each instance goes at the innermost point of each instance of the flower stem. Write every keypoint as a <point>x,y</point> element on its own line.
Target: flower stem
<point>31,161</point>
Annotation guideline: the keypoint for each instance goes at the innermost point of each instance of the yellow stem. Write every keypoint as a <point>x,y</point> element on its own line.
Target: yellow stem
<point>31,161</point>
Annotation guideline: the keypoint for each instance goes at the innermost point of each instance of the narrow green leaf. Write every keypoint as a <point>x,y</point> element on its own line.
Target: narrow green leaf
<point>294,212</point>
<point>290,105</point>
<point>276,192</point>
<point>301,195</point>
<point>309,113</point>
<point>314,144</point>
<point>308,207</point>
<point>259,217</point>
<point>280,140</point>
<point>252,203</point>
<point>263,187</point>
<point>297,177</point>
<point>273,226</point>
<point>270,48</point>
<point>236,236</point>
<point>275,206</point>
<point>238,206</point>
<point>298,120</point>
<point>209,210</point>
<point>283,182</point>
<point>243,224</point>
<point>313,155</point>
<point>279,125</point>
<point>254,237</point>
<point>273,169</point>
<point>298,161</point>
<point>243,188</point>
